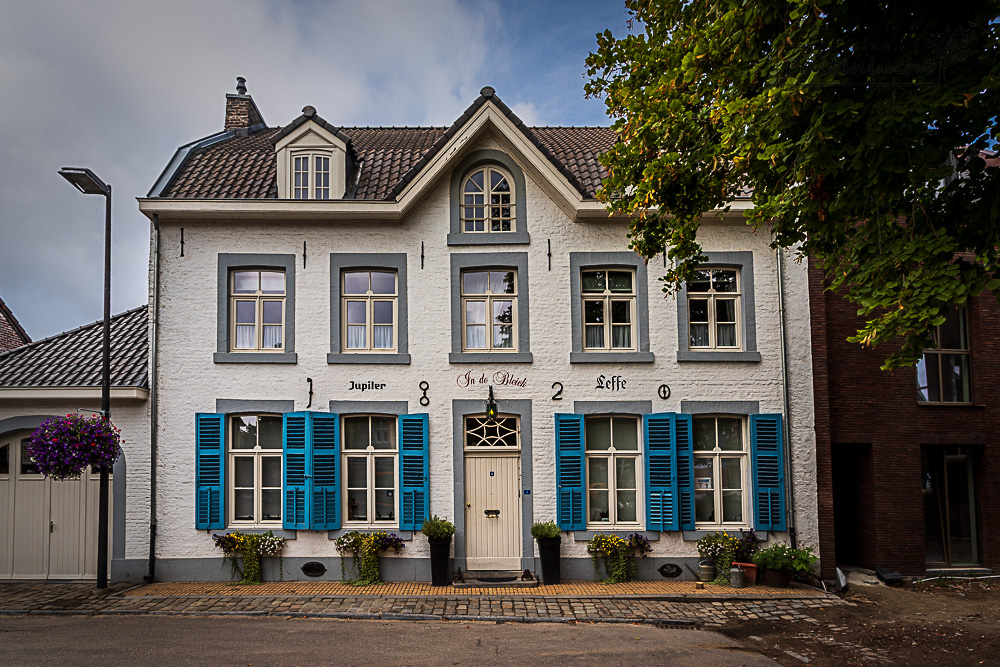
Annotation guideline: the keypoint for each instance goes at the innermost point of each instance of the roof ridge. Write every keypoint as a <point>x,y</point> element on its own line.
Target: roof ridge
<point>61,334</point>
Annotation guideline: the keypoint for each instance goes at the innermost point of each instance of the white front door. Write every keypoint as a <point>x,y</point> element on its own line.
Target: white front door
<point>493,512</point>
<point>48,528</point>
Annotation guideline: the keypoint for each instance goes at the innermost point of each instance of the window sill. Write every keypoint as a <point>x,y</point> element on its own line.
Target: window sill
<point>489,357</point>
<point>587,535</point>
<point>490,238</point>
<point>405,535</point>
<point>255,358</point>
<point>943,404</point>
<point>691,355</point>
<point>367,358</point>
<point>695,535</point>
<point>259,530</point>
<point>610,357</point>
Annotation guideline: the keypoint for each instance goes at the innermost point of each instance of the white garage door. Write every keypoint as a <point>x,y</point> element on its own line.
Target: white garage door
<point>48,528</point>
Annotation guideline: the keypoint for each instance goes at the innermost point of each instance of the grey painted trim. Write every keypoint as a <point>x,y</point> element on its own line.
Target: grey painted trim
<point>695,535</point>
<point>180,158</point>
<point>610,357</point>
<point>119,481</point>
<point>371,407</point>
<point>582,569</point>
<point>478,159</point>
<point>230,261</point>
<point>234,405</point>
<point>278,532</point>
<point>405,535</point>
<point>490,260</point>
<point>217,569</point>
<point>128,569</point>
<point>720,407</point>
<point>339,261</point>
<point>612,407</point>
<point>25,423</point>
<point>255,357</point>
<point>743,260</point>
<point>586,535</point>
<point>460,407</point>
<point>578,261</point>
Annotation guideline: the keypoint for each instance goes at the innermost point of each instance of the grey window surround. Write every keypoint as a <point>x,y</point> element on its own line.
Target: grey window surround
<point>405,535</point>
<point>232,406</point>
<point>460,408</point>
<point>742,260</point>
<point>612,407</point>
<point>720,407</point>
<point>586,535</point>
<point>481,158</point>
<point>695,535</point>
<point>341,261</point>
<point>227,263</point>
<point>579,261</point>
<point>370,407</point>
<point>518,261</point>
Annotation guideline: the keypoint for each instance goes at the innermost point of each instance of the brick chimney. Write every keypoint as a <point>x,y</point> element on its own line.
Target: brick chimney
<point>241,112</point>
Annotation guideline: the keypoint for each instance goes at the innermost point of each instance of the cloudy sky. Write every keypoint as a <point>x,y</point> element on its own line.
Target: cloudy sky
<point>117,86</point>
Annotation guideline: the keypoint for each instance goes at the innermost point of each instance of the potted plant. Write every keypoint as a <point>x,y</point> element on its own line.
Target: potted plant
<point>439,532</point>
<point>748,545</point>
<point>549,538</point>
<point>63,447</point>
<point>365,548</point>
<point>618,554</point>
<point>780,562</point>
<point>250,548</point>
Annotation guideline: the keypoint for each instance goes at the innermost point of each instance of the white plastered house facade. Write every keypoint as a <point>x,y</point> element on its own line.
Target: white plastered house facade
<point>330,328</point>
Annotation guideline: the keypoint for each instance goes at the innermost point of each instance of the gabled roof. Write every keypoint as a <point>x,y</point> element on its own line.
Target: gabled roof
<point>73,358</point>
<point>12,334</point>
<point>388,158</point>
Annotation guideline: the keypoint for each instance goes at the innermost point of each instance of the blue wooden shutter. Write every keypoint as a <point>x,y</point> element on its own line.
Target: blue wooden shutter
<point>767,448</point>
<point>684,446</point>
<point>570,509</point>
<point>325,494</point>
<point>414,475</point>
<point>210,471</point>
<point>297,430</point>
<point>661,480</point>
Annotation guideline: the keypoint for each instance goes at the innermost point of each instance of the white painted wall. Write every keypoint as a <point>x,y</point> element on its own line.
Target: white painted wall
<point>190,382</point>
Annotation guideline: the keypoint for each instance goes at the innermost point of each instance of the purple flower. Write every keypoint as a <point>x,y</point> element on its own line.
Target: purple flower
<point>59,446</point>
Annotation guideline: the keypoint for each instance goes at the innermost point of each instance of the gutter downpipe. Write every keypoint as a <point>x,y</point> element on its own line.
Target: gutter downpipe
<point>153,396</point>
<point>790,487</point>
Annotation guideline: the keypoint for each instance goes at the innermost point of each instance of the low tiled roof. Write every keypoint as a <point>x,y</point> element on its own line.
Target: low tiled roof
<point>73,358</point>
<point>388,157</point>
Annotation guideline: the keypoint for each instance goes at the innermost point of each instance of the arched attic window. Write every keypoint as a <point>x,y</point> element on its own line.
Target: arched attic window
<point>488,201</point>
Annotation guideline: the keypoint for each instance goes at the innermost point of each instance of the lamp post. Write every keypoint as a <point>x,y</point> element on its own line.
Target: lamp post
<point>88,183</point>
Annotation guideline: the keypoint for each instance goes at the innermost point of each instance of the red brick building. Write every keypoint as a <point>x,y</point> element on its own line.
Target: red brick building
<point>908,462</point>
<point>12,334</point>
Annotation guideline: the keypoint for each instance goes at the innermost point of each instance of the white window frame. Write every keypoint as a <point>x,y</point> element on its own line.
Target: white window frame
<point>313,187</point>
<point>488,297</point>
<point>259,298</point>
<point>716,455</point>
<point>936,355</point>
<point>612,454</point>
<point>712,297</point>
<point>370,454</point>
<point>607,297</point>
<point>257,454</point>
<point>369,298</point>
<point>487,204</point>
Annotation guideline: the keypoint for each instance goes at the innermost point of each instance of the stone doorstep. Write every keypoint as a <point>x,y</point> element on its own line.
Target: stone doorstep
<point>494,579</point>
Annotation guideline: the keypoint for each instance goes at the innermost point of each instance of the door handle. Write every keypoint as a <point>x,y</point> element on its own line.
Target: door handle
<point>491,514</point>
<point>52,526</point>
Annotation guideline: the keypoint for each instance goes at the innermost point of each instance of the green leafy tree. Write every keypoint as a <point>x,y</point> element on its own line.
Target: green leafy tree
<point>858,129</point>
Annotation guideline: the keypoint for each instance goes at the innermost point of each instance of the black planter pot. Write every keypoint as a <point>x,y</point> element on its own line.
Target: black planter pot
<point>776,578</point>
<point>440,561</point>
<point>548,553</point>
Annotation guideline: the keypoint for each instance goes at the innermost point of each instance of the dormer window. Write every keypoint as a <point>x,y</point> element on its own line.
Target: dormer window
<point>311,176</point>
<point>488,202</point>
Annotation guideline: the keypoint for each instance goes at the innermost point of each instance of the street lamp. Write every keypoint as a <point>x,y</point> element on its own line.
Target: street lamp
<point>88,183</point>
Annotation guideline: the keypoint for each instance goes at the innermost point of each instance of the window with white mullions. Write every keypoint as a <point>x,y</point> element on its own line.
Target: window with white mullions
<point>257,304</point>
<point>369,310</point>
<point>370,452</point>
<point>720,471</point>
<point>300,174</point>
<point>311,176</point>
<point>501,433</point>
<point>487,202</point>
<point>489,310</point>
<point>612,452</point>
<point>255,446</point>
<point>943,374</point>
<point>608,310</point>
<point>321,179</point>
<point>714,309</point>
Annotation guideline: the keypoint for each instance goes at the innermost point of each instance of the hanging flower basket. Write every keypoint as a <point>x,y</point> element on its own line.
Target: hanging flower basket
<point>63,447</point>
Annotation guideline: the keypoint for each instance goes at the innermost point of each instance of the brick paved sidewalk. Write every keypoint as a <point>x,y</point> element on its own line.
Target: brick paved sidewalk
<point>640,602</point>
